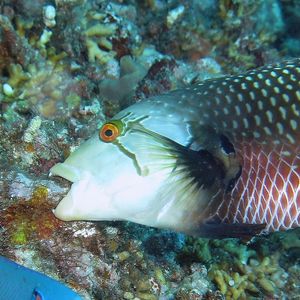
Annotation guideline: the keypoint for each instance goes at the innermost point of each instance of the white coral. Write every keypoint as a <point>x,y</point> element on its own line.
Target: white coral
<point>32,129</point>
<point>49,14</point>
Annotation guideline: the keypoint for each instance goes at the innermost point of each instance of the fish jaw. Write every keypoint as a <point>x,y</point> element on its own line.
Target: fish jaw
<point>85,201</point>
<point>90,168</point>
<point>66,171</point>
<point>107,186</point>
<point>128,197</point>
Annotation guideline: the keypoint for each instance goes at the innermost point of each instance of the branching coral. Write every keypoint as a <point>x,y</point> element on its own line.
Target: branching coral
<point>238,281</point>
<point>98,38</point>
<point>237,270</point>
<point>12,47</point>
<point>44,88</point>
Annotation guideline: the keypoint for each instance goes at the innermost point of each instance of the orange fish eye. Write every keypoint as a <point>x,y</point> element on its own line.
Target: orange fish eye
<point>109,132</point>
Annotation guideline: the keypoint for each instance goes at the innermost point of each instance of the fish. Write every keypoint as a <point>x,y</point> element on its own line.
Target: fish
<point>18,282</point>
<point>219,158</point>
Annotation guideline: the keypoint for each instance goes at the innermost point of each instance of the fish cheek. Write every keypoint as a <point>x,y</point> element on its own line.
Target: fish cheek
<point>137,194</point>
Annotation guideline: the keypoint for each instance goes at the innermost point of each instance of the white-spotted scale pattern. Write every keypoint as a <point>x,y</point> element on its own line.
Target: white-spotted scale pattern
<point>262,122</point>
<point>263,97</point>
<point>259,113</point>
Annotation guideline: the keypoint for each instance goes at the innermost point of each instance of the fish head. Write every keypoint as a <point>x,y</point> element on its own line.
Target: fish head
<point>117,177</point>
<point>102,177</point>
<point>139,168</point>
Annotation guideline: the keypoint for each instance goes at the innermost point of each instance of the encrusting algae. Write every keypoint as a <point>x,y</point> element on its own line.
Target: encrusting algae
<point>30,220</point>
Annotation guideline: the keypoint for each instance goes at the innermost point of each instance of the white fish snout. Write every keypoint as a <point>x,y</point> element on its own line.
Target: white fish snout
<point>86,200</point>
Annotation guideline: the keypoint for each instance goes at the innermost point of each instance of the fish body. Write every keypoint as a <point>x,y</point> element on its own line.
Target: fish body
<point>18,282</point>
<point>218,158</point>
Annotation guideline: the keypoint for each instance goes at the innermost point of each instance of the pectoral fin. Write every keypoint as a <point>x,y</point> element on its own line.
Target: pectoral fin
<point>226,230</point>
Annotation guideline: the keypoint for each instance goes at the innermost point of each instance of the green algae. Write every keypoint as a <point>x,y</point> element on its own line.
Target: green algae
<point>20,236</point>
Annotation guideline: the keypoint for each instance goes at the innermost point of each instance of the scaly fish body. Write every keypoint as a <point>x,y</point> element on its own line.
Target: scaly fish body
<point>224,151</point>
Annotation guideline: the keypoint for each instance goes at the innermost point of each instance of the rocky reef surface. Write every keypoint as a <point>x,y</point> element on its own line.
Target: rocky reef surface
<point>66,66</point>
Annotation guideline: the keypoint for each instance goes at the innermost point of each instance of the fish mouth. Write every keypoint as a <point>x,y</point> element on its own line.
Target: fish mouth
<point>66,171</point>
<point>72,174</point>
<point>82,200</point>
<point>62,209</point>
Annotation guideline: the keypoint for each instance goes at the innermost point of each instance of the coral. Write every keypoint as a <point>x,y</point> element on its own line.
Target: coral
<point>239,250</point>
<point>164,245</point>
<point>195,285</point>
<point>45,38</point>
<point>290,15</point>
<point>65,66</point>
<point>291,240</point>
<point>94,52</point>
<point>238,270</point>
<point>12,47</point>
<point>32,129</point>
<point>22,187</point>
<point>160,78</point>
<point>49,13</point>
<point>174,15</point>
<point>43,81</point>
<point>43,88</point>
<point>7,90</point>
<point>117,90</point>
<point>238,281</point>
<point>98,38</point>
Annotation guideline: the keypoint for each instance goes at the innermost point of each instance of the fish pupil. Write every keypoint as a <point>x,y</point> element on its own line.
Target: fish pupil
<point>108,132</point>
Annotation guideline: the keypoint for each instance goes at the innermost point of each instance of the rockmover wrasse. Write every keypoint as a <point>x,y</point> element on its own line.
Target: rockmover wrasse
<point>220,158</point>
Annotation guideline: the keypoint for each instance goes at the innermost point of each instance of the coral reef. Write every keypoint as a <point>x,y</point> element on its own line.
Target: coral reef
<point>242,271</point>
<point>67,65</point>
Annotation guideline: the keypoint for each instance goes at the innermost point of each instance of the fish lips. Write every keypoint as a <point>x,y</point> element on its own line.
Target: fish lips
<point>66,171</point>
<point>82,201</point>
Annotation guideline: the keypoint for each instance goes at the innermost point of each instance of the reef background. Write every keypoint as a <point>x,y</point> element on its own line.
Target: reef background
<point>66,66</point>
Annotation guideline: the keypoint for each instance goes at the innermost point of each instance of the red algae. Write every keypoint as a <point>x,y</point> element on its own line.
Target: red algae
<point>30,220</point>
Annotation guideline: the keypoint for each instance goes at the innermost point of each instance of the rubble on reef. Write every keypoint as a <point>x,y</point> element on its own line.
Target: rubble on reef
<point>67,65</point>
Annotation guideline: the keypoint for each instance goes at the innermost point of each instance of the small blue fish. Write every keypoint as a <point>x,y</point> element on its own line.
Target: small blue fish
<point>20,283</point>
